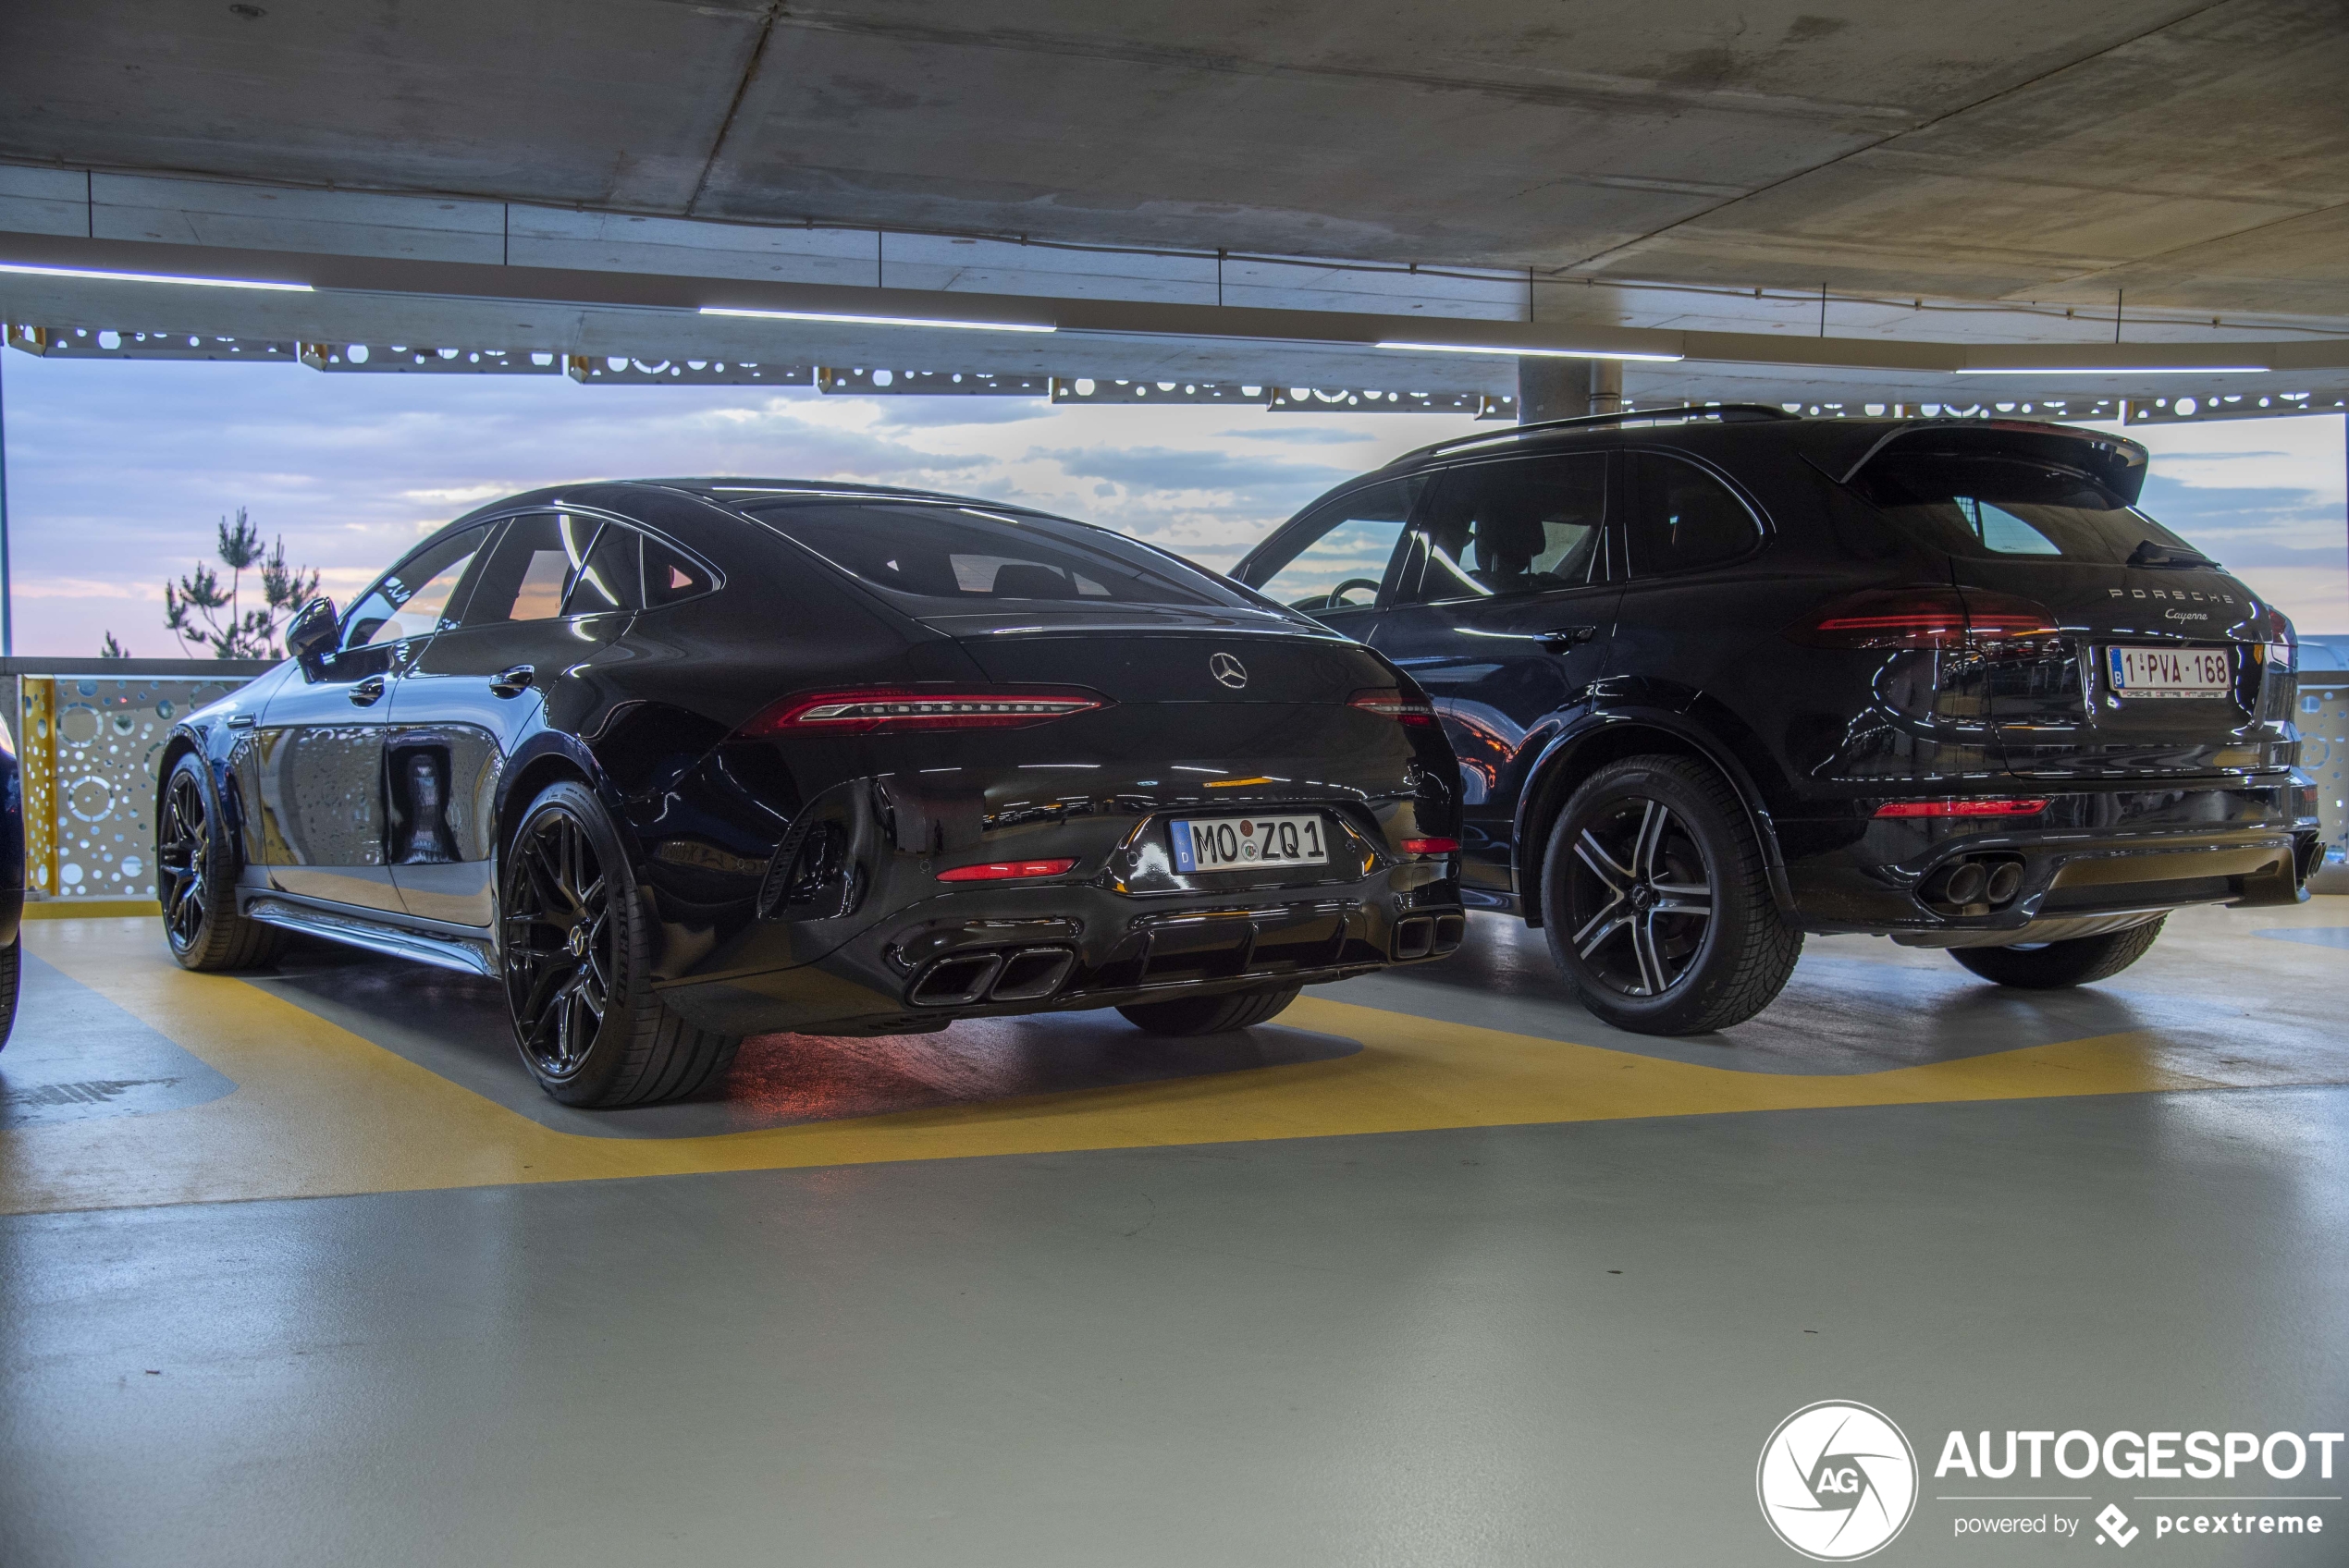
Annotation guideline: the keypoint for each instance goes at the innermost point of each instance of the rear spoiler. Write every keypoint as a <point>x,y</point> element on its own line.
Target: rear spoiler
<point>2114,463</point>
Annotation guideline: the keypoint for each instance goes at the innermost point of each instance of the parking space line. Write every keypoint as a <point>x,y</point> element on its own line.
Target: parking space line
<point>319,1112</point>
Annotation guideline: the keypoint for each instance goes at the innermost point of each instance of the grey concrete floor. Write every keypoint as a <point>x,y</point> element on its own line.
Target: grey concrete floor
<point>1534,1345</point>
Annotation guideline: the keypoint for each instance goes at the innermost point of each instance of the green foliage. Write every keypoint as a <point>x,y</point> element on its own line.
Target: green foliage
<point>113,649</point>
<point>192,607</point>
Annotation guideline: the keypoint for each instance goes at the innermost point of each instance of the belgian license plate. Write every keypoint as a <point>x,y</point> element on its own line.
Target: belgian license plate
<point>2170,672</point>
<point>1243,843</point>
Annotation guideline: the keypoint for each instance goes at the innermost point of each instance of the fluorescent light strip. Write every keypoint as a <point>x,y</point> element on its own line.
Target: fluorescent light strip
<point>2114,370</point>
<point>155,277</point>
<point>1537,353</point>
<point>881,321</point>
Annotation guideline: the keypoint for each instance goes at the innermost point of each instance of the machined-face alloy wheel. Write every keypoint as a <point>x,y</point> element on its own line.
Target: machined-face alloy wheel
<point>1640,896</point>
<point>183,861</point>
<point>561,942</point>
<point>1656,900</point>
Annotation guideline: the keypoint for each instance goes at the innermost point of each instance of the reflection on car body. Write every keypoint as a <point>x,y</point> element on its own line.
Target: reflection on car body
<point>679,762</point>
<point>1717,677</point>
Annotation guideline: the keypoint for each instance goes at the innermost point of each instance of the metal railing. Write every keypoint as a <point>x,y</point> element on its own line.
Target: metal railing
<point>2324,756</point>
<point>90,733</point>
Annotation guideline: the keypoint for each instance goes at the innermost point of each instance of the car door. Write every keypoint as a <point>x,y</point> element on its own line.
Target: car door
<point>1700,613</point>
<point>550,590</point>
<point>318,746</point>
<point>1503,612</point>
<point>1336,563</point>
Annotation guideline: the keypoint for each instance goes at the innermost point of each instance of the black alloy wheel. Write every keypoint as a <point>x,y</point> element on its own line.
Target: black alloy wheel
<point>577,956</point>
<point>195,879</point>
<point>11,976</point>
<point>1657,902</point>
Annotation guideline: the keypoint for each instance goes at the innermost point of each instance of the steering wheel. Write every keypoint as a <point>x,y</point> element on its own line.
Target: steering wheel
<point>1336,598</point>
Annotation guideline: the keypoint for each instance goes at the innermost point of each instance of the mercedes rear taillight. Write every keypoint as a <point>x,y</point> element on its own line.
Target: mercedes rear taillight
<point>867,709</point>
<point>1396,706</point>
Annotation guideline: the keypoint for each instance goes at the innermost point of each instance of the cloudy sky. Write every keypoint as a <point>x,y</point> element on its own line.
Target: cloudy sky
<point>117,470</point>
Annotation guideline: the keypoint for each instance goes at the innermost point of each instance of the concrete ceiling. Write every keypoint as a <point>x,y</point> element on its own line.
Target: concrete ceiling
<point>2190,158</point>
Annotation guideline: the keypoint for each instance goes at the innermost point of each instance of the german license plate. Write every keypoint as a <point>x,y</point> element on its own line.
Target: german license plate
<point>1243,843</point>
<point>2170,672</point>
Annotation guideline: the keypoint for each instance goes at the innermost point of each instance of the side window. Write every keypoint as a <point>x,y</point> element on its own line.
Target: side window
<point>671,576</point>
<point>612,577</point>
<point>530,569</point>
<point>1528,525</point>
<point>1682,517</point>
<point>415,598</point>
<point>626,570</point>
<point>1337,558</point>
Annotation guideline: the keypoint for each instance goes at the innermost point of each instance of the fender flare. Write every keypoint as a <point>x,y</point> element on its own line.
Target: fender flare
<point>581,760</point>
<point>1558,757</point>
<point>227,802</point>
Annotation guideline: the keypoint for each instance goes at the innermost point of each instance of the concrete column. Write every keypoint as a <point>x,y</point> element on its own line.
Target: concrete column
<point>1548,388</point>
<point>1607,386</point>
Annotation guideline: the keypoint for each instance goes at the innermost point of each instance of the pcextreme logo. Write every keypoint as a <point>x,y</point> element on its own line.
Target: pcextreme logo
<point>1837,1481</point>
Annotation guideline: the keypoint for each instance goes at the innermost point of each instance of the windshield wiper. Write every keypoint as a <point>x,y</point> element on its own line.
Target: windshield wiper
<point>2152,553</point>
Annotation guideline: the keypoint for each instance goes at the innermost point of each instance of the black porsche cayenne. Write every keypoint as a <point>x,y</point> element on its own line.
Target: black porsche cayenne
<point>1718,677</point>
<point>682,761</point>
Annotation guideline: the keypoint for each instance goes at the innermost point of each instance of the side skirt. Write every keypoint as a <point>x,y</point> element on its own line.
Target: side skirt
<point>468,955</point>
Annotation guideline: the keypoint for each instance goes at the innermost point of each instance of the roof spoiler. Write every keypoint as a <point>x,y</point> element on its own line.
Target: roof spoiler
<point>2116,463</point>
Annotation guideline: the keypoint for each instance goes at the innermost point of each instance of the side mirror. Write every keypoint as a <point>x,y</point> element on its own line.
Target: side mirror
<point>311,636</point>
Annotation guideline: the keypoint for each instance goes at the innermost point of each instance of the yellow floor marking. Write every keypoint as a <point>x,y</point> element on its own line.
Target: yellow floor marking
<point>320,1111</point>
<point>87,908</point>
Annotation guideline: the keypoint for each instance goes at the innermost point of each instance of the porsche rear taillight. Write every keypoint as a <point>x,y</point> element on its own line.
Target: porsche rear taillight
<point>1925,619</point>
<point>867,709</point>
<point>1970,805</point>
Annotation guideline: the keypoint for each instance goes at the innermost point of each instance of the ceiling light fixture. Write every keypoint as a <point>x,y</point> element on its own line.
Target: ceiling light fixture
<point>105,276</point>
<point>881,321</point>
<point>1526,352</point>
<point>2113,370</point>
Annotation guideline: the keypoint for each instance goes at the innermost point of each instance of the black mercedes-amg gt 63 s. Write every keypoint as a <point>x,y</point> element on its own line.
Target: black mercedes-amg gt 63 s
<point>1720,676</point>
<point>682,761</point>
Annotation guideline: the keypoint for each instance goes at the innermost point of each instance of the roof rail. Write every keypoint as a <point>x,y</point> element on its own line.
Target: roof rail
<point>1727,412</point>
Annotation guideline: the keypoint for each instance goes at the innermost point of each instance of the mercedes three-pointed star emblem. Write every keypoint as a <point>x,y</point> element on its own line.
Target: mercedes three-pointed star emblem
<point>1228,671</point>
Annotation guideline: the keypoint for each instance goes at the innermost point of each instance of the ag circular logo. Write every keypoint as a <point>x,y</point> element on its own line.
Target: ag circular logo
<point>1837,1481</point>
<point>1228,671</point>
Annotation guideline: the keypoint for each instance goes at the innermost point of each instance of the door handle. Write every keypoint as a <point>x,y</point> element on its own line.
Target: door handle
<point>1559,639</point>
<point>512,682</point>
<point>368,693</point>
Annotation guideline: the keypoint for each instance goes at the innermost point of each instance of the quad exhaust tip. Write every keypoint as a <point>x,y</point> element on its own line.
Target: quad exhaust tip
<point>1427,935</point>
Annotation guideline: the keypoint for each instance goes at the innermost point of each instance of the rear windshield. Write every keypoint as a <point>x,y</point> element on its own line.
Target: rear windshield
<point>969,553</point>
<point>2009,507</point>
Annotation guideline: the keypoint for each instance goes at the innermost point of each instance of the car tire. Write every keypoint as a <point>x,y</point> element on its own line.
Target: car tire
<point>576,951</point>
<point>11,975</point>
<point>1209,1015</point>
<point>2051,966</point>
<point>1657,902</point>
<point>196,878</point>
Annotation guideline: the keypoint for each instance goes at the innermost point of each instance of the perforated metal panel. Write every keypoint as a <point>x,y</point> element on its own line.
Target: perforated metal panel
<point>2324,756</point>
<point>90,747</point>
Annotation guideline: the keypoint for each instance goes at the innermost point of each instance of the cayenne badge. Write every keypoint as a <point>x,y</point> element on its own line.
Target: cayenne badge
<point>1228,671</point>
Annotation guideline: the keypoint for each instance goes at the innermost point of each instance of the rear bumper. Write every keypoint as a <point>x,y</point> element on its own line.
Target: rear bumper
<point>1005,950</point>
<point>2090,853</point>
